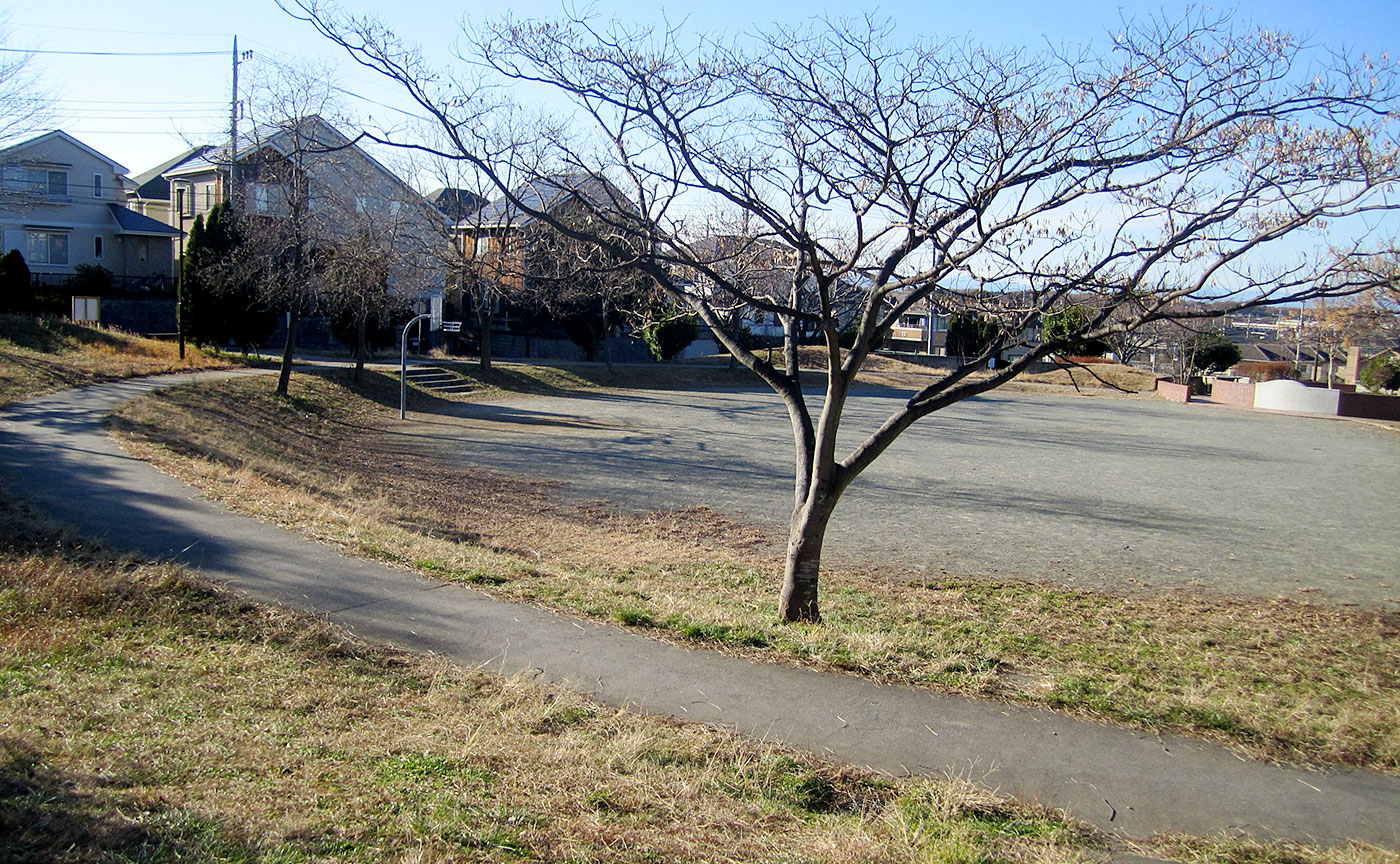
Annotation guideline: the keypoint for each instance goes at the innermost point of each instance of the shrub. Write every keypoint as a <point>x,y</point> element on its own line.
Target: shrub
<point>1065,323</point>
<point>1382,373</point>
<point>847,338</point>
<point>1210,352</point>
<point>670,336</point>
<point>1262,370</point>
<point>90,279</point>
<point>969,334</point>
<point>16,285</point>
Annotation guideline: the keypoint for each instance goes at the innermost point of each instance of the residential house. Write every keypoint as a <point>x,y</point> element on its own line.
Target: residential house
<point>310,171</point>
<point>505,238</point>
<point>764,269</point>
<point>149,193</point>
<point>506,247</point>
<point>923,329</point>
<point>63,207</point>
<point>1313,363</point>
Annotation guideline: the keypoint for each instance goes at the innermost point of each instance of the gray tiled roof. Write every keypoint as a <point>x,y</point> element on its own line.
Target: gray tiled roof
<point>541,194</point>
<point>455,203</point>
<point>131,222</point>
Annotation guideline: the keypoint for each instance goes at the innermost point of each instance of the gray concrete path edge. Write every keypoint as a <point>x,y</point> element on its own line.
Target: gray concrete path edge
<point>55,451</point>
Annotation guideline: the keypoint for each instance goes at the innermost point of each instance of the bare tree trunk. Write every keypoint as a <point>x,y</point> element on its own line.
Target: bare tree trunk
<point>484,318</point>
<point>798,601</point>
<point>361,346</point>
<point>284,378</point>
<point>607,337</point>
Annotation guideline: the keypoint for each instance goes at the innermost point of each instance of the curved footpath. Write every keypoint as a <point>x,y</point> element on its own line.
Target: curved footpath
<point>55,452</point>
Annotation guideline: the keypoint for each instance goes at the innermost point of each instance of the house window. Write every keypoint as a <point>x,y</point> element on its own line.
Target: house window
<point>48,247</point>
<point>361,204</point>
<point>97,248</point>
<point>51,183</point>
<point>97,185</point>
<point>483,246</point>
<point>143,247</point>
<point>260,198</point>
<point>394,207</point>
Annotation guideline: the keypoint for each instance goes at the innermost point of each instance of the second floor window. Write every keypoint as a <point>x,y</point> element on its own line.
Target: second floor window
<point>97,185</point>
<point>53,184</point>
<point>483,246</point>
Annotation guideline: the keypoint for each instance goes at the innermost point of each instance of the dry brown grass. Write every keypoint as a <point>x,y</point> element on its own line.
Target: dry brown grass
<point>145,716</point>
<point>1279,678</point>
<point>1098,379</point>
<point>41,355</point>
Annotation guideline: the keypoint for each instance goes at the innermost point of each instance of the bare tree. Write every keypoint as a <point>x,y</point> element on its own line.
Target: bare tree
<point>1189,162</point>
<point>25,104</point>
<point>285,220</point>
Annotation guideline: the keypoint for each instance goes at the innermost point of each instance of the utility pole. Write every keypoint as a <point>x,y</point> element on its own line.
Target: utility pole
<point>180,298</point>
<point>233,193</point>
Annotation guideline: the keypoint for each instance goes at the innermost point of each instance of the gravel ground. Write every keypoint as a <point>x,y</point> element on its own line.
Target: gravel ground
<point>1098,492</point>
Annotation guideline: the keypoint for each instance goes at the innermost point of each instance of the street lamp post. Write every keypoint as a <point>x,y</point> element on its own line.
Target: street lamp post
<point>403,366</point>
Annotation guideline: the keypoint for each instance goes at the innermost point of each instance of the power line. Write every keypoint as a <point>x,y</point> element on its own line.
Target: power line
<point>117,53</point>
<point>110,30</point>
<point>158,103</point>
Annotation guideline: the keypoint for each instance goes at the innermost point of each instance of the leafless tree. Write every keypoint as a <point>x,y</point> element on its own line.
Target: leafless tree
<point>592,289</point>
<point>1188,161</point>
<point>25,103</point>
<point>481,279</point>
<point>284,221</point>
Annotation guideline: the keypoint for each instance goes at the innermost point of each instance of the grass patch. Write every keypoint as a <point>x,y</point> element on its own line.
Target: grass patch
<point>1279,678</point>
<point>163,720</point>
<point>41,355</point>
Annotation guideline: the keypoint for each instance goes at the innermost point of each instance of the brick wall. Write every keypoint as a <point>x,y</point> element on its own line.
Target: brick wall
<point>1233,393</point>
<point>1175,392</point>
<point>1369,405</point>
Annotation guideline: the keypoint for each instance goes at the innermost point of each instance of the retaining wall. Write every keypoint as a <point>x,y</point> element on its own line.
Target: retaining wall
<point>1369,405</point>
<point>1172,391</point>
<point>1294,396</point>
<point>1233,392</point>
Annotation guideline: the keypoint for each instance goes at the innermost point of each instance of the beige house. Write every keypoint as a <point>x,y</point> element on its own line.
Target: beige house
<point>63,205</point>
<point>309,170</point>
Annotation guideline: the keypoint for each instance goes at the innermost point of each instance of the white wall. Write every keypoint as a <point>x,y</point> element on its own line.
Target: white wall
<point>1293,396</point>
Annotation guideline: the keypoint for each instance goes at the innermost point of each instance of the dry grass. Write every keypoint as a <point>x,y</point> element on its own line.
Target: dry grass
<point>1278,678</point>
<point>891,371</point>
<point>41,355</point>
<point>145,716</point>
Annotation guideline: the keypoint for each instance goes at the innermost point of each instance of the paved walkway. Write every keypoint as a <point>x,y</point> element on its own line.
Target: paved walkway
<point>55,451</point>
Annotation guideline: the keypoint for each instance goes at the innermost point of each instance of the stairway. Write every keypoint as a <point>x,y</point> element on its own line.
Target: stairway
<point>439,379</point>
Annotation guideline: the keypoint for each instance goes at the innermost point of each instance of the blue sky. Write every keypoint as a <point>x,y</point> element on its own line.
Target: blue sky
<point>141,110</point>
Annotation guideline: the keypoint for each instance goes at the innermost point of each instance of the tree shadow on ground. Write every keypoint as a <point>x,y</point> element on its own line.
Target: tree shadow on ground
<point>47,815</point>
